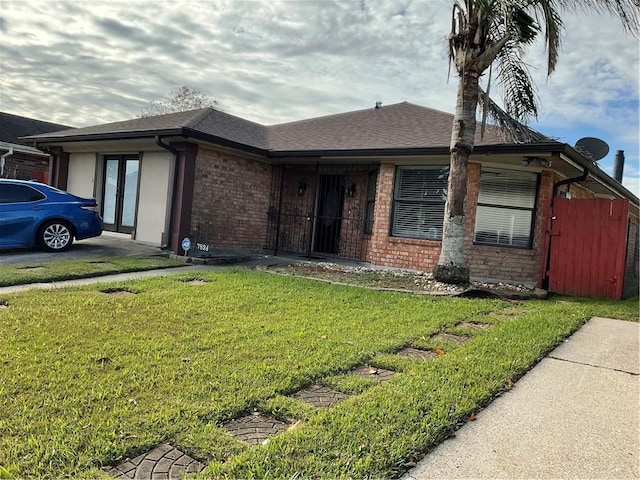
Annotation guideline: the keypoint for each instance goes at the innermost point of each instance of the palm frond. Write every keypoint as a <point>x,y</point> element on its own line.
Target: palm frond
<point>522,27</point>
<point>553,26</point>
<point>519,94</point>
<point>483,103</point>
<point>628,11</point>
<point>510,129</point>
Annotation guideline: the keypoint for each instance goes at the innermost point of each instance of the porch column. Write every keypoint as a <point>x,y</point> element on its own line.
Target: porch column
<point>183,194</point>
<point>60,171</point>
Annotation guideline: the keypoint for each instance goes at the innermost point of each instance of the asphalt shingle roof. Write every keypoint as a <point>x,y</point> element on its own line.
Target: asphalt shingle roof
<point>398,126</point>
<point>402,125</point>
<point>147,124</point>
<point>12,127</point>
<point>391,128</point>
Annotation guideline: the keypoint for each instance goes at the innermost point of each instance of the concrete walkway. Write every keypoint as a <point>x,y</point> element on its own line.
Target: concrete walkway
<point>161,272</point>
<point>574,416</point>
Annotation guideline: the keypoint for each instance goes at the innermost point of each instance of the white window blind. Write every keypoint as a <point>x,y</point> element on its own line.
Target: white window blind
<point>506,203</point>
<point>418,205</point>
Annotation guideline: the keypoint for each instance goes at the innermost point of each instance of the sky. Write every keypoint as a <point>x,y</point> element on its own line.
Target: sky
<point>84,63</point>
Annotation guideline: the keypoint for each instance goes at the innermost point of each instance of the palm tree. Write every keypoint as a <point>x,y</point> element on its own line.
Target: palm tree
<point>488,32</point>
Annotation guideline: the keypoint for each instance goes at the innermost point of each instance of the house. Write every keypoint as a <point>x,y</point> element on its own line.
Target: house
<point>367,185</point>
<point>18,159</point>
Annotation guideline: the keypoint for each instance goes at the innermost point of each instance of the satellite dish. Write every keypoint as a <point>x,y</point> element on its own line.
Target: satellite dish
<point>593,148</point>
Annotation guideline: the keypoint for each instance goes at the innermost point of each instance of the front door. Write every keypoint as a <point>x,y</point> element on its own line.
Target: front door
<point>329,221</point>
<point>120,192</point>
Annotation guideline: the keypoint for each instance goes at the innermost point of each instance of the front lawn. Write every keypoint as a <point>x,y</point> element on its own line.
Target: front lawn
<point>90,376</point>
<point>23,273</point>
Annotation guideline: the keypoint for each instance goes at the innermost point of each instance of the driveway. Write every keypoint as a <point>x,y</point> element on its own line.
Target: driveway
<point>106,245</point>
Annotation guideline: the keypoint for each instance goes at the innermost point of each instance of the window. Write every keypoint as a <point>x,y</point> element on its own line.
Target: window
<point>371,201</point>
<point>418,202</point>
<point>506,203</point>
<point>19,194</point>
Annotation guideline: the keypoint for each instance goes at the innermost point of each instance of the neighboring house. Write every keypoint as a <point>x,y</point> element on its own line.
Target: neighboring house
<point>367,185</point>
<point>18,158</point>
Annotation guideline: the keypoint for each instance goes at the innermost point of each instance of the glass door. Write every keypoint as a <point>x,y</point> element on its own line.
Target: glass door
<point>120,192</point>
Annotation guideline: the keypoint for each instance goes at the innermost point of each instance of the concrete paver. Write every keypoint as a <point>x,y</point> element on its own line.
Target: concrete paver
<point>165,462</point>
<point>320,396</point>
<point>417,353</point>
<point>373,373</point>
<point>450,337</point>
<point>475,326</point>
<point>255,428</point>
<point>574,416</point>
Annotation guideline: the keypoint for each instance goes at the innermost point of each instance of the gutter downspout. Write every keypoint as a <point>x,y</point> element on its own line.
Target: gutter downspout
<point>568,181</point>
<point>173,170</point>
<point>3,160</point>
<point>556,186</point>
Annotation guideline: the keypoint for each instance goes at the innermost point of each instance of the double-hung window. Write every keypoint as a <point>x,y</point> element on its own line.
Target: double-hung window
<point>506,206</point>
<point>418,202</point>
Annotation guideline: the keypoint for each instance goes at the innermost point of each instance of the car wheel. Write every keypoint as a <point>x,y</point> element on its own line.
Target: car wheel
<point>55,236</point>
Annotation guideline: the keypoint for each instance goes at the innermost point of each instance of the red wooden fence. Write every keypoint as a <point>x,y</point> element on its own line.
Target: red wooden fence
<point>588,247</point>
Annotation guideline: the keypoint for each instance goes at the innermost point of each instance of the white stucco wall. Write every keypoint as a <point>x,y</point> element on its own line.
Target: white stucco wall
<point>82,168</point>
<point>152,198</point>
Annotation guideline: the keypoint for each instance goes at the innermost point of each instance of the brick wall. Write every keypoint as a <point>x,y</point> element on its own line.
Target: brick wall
<point>506,263</point>
<point>230,199</point>
<point>26,167</point>
<point>576,190</point>
<point>502,263</point>
<point>397,252</point>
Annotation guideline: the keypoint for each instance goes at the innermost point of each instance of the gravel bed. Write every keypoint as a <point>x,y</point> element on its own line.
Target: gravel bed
<point>395,279</point>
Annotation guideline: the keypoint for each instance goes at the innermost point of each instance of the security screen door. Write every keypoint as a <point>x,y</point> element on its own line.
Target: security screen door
<point>120,192</point>
<point>330,209</point>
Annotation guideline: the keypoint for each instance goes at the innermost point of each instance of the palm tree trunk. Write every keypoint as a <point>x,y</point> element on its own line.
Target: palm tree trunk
<point>451,267</point>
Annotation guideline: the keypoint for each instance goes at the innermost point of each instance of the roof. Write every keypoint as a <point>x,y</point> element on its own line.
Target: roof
<point>12,127</point>
<point>402,128</point>
<point>402,125</point>
<point>398,126</point>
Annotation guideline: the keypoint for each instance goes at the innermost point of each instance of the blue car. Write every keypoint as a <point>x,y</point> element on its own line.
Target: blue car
<point>36,214</point>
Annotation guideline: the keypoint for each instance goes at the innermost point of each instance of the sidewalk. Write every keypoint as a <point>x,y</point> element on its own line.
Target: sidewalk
<point>574,416</point>
<point>162,272</point>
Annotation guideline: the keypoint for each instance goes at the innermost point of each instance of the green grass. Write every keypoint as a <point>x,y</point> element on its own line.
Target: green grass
<point>23,273</point>
<point>628,309</point>
<point>87,379</point>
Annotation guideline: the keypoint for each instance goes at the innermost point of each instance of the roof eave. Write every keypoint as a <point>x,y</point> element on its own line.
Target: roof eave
<point>412,151</point>
<point>599,175</point>
<point>197,135</point>
<point>103,136</point>
<point>148,134</point>
<point>360,152</point>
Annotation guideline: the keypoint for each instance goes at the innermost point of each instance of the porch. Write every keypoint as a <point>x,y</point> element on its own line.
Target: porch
<point>322,211</point>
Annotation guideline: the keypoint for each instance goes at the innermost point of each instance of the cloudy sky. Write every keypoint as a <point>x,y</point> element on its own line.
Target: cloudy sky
<point>88,62</point>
